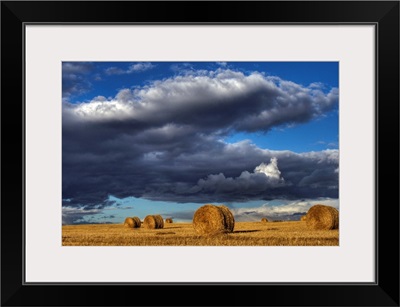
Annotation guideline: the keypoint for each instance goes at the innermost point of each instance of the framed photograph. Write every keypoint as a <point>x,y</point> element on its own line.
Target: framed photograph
<point>248,151</point>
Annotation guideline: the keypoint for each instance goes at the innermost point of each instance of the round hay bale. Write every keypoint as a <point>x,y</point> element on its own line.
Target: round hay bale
<point>303,218</point>
<point>211,220</point>
<point>229,219</point>
<point>321,217</point>
<point>168,220</point>
<point>160,221</point>
<point>129,222</point>
<point>153,222</point>
<point>133,222</point>
<point>264,220</point>
<point>137,221</point>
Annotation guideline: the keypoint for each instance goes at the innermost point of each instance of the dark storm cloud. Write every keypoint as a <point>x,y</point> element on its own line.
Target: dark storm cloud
<point>163,142</point>
<point>74,81</point>
<point>76,67</point>
<point>71,215</point>
<point>248,185</point>
<point>265,177</point>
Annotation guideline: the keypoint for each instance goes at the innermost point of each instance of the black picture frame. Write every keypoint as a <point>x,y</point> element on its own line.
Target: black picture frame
<point>383,14</point>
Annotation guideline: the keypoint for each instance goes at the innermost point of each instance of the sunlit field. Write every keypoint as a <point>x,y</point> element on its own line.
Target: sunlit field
<point>290,233</point>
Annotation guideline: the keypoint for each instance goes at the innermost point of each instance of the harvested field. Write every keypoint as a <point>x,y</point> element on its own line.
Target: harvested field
<point>294,233</point>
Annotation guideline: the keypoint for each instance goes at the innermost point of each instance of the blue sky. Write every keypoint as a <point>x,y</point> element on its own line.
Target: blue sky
<point>166,137</point>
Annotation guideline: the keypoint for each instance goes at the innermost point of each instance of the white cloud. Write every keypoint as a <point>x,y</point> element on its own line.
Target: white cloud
<point>270,170</point>
<point>139,67</point>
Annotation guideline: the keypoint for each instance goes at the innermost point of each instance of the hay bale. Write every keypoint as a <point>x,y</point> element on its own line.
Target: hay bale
<point>321,217</point>
<point>138,221</point>
<point>153,222</point>
<point>128,222</point>
<point>160,221</point>
<point>168,220</point>
<point>211,220</point>
<point>303,218</point>
<point>264,220</point>
<point>133,222</point>
<point>229,219</point>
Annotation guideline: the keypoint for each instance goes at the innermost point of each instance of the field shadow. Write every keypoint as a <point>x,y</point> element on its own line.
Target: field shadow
<point>173,227</point>
<point>245,231</point>
<point>165,233</point>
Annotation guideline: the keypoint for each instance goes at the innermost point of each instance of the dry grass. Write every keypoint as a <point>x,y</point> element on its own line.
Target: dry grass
<point>294,233</point>
<point>211,220</point>
<point>153,222</point>
<point>321,217</point>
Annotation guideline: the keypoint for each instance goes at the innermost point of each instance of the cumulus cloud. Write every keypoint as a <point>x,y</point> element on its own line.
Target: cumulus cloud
<point>270,170</point>
<point>216,100</point>
<point>164,142</point>
<point>226,187</point>
<point>264,177</point>
<point>166,164</point>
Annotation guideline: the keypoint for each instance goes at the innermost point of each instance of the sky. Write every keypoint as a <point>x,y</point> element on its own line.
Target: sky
<point>165,138</point>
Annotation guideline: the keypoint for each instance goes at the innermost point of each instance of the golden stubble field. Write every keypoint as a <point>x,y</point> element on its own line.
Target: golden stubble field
<point>291,233</point>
